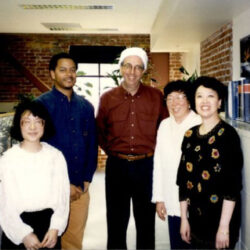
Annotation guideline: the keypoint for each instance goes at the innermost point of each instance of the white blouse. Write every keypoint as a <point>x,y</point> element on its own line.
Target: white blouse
<point>166,161</point>
<point>32,182</point>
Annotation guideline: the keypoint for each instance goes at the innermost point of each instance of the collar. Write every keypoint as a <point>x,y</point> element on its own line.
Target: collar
<point>124,92</point>
<point>59,94</point>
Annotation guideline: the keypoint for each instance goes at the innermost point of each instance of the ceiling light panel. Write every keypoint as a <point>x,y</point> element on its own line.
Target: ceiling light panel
<point>65,7</point>
<point>74,27</point>
<point>62,26</point>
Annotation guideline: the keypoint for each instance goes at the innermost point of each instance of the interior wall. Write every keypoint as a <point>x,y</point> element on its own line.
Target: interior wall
<point>191,59</point>
<point>160,64</point>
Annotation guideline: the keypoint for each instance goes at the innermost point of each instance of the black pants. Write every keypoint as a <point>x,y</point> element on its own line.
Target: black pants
<point>39,221</point>
<point>126,180</point>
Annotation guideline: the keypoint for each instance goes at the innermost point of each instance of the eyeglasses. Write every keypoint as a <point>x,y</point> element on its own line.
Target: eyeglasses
<point>128,68</point>
<point>178,98</point>
<point>36,123</point>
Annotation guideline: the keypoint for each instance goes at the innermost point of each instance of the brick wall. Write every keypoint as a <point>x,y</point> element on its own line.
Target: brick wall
<point>216,54</point>
<point>175,62</point>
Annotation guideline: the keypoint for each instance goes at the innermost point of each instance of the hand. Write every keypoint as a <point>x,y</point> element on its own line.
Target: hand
<point>161,210</point>
<point>86,186</point>
<point>75,192</point>
<point>31,242</point>
<point>50,238</point>
<point>185,231</point>
<point>222,238</point>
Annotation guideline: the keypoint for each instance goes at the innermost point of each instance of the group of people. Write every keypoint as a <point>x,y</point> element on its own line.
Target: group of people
<point>186,166</point>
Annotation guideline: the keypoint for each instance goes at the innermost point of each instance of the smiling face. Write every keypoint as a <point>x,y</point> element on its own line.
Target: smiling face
<point>207,102</point>
<point>178,105</point>
<point>64,75</point>
<point>32,127</point>
<point>132,70</point>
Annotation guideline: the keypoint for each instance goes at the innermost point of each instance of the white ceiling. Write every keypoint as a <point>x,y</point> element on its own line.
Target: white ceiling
<point>174,25</point>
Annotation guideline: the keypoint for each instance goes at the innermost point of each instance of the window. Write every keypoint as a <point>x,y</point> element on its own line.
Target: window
<point>95,81</point>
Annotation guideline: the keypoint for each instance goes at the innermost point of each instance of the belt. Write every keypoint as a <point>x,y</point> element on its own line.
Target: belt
<point>130,157</point>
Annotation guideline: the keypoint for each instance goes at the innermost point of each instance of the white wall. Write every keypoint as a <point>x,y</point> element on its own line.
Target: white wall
<point>191,59</point>
<point>241,28</point>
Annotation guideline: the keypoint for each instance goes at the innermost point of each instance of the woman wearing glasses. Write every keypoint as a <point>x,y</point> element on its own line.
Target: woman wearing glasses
<point>167,157</point>
<point>34,184</point>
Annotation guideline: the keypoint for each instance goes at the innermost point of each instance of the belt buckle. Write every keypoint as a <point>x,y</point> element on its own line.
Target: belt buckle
<point>129,155</point>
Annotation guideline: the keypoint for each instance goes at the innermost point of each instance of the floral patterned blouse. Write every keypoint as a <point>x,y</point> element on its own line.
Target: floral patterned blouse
<point>209,172</point>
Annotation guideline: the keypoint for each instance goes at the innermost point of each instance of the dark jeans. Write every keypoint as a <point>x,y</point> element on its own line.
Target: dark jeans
<point>39,221</point>
<point>176,242</point>
<point>126,180</point>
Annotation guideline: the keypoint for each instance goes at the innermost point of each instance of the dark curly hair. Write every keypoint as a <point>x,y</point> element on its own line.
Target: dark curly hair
<point>36,109</point>
<point>211,83</point>
<point>55,58</point>
<point>178,86</point>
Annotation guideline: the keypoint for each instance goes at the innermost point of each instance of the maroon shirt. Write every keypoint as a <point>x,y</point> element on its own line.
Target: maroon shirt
<point>128,124</point>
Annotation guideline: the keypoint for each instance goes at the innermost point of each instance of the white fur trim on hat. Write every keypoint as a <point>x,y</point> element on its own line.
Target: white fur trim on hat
<point>134,51</point>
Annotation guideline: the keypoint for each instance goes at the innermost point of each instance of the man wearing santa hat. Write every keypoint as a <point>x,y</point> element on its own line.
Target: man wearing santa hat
<point>127,120</point>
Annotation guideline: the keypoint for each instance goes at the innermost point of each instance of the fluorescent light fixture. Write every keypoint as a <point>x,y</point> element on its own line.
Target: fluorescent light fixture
<point>65,7</point>
<point>74,27</point>
<point>62,26</point>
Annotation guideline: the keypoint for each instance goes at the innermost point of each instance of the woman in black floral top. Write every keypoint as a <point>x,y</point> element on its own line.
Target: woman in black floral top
<point>209,175</point>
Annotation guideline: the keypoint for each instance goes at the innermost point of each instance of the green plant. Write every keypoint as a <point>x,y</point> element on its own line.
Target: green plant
<point>87,84</point>
<point>191,78</point>
<point>115,75</point>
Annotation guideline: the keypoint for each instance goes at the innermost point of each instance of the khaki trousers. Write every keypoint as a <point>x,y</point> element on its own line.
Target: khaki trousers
<point>73,236</point>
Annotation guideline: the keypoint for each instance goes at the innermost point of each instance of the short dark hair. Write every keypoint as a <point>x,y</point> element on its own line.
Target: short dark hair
<point>178,86</point>
<point>211,83</point>
<point>36,109</point>
<point>55,58</point>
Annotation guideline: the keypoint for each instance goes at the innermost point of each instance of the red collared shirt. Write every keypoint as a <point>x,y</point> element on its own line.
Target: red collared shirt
<point>128,124</point>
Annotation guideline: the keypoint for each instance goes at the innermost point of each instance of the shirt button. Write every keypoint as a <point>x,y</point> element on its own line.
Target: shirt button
<point>72,118</point>
<point>132,113</point>
<point>132,137</point>
<point>75,157</point>
<point>132,149</point>
<point>132,125</point>
<point>132,100</point>
<point>73,131</point>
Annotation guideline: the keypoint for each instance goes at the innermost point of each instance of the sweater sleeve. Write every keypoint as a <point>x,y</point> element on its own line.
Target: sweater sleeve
<point>10,220</point>
<point>181,174</point>
<point>233,165</point>
<point>61,184</point>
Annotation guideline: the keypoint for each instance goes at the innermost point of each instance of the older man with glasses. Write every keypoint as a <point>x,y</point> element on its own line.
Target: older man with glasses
<point>128,119</point>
